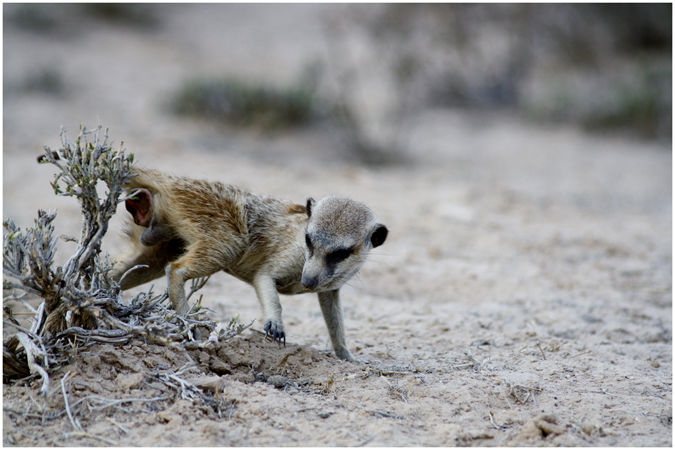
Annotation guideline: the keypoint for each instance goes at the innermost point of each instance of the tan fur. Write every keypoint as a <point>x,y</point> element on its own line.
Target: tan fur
<point>203,227</point>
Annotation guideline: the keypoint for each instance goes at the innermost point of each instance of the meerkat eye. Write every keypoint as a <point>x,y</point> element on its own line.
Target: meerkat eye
<point>308,241</point>
<point>339,255</point>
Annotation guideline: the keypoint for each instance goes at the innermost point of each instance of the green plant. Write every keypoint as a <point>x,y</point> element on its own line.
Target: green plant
<point>244,103</point>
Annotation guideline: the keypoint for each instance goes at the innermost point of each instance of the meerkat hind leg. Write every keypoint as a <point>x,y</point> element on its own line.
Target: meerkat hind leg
<point>332,314</point>
<point>192,264</point>
<point>175,280</point>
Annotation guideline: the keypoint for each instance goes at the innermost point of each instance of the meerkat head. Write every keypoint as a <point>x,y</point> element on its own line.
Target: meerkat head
<point>339,234</point>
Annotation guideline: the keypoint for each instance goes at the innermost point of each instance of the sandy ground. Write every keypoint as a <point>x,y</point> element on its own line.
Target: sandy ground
<point>523,296</point>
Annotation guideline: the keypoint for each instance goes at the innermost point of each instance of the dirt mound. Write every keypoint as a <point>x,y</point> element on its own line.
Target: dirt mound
<point>110,389</point>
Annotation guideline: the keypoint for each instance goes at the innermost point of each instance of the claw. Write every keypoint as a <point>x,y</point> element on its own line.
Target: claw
<point>275,334</point>
<point>268,331</point>
<point>279,336</point>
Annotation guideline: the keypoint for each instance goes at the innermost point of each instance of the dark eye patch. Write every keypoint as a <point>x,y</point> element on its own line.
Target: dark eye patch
<point>339,255</point>
<point>308,241</point>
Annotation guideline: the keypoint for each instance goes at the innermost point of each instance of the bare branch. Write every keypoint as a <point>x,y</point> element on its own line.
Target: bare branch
<point>75,423</point>
<point>80,299</point>
<point>138,266</point>
<point>32,351</point>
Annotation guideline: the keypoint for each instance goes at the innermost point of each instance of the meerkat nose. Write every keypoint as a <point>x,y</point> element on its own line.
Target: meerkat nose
<point>310,283</point>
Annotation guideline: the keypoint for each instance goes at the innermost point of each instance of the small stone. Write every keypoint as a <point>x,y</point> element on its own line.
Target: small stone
<point>211,383</point>
<point>243,377</point>
<point>91,358</point>
<point>278,381</point>
<point>219,367</point>
<point>129,381</point>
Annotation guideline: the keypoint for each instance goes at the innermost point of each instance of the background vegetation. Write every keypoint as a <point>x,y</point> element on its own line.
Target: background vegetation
<point>605,67</point>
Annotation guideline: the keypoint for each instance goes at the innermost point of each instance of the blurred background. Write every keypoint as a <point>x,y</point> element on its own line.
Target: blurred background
<point>440,106</point>
<point>363,79</point>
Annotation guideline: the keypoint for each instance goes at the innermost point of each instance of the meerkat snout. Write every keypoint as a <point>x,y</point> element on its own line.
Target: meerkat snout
<point>340,232</point>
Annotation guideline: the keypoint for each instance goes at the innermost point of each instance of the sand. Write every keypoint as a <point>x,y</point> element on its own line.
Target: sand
<point>523,296</point>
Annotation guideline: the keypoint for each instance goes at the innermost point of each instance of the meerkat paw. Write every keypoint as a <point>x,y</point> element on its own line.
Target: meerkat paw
<point>345,355</point>
<point>275,330</point>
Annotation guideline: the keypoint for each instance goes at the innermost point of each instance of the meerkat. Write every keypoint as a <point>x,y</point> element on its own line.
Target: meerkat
<point>186,228</point>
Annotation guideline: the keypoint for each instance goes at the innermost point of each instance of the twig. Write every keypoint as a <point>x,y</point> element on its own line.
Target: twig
<point>31,351</point>
<point>75,424</point>
<point>11,285</point>
<point>492,421</point>
<point>541,350</point>
<point>107,403</point>
<point>465,365</point>
<point>105,336</point>
<point>185,368</point>
<point>232,408</point>
<point>124,430</point>
<point>20,328</point>
<point>386,414</point>
<point>585,352</point>
<point>529,392</point>
<point>83,434</point>
<point>112,402</point>
<point>38,406</point>
<point>387,372</point>
<point>138,266</point>
<point>23,413</point>
<point>195,285</point>
<point>26,304</point>
<point>395,389</point>
<point>363,443</point>
<point>473,362</point>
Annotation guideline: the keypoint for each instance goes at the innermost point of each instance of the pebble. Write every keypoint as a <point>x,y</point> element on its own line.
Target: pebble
<point>278,381</point>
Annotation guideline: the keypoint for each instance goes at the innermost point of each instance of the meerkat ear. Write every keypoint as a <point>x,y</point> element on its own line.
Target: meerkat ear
<point>140,207</point>
<point>378,236</point>
<point>309,206</point>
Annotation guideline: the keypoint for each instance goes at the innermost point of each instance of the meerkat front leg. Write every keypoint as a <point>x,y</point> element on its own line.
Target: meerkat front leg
<point>332,314</point>
<point>148,263</point>
<point>266,290</point>
<point>144,265</point>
